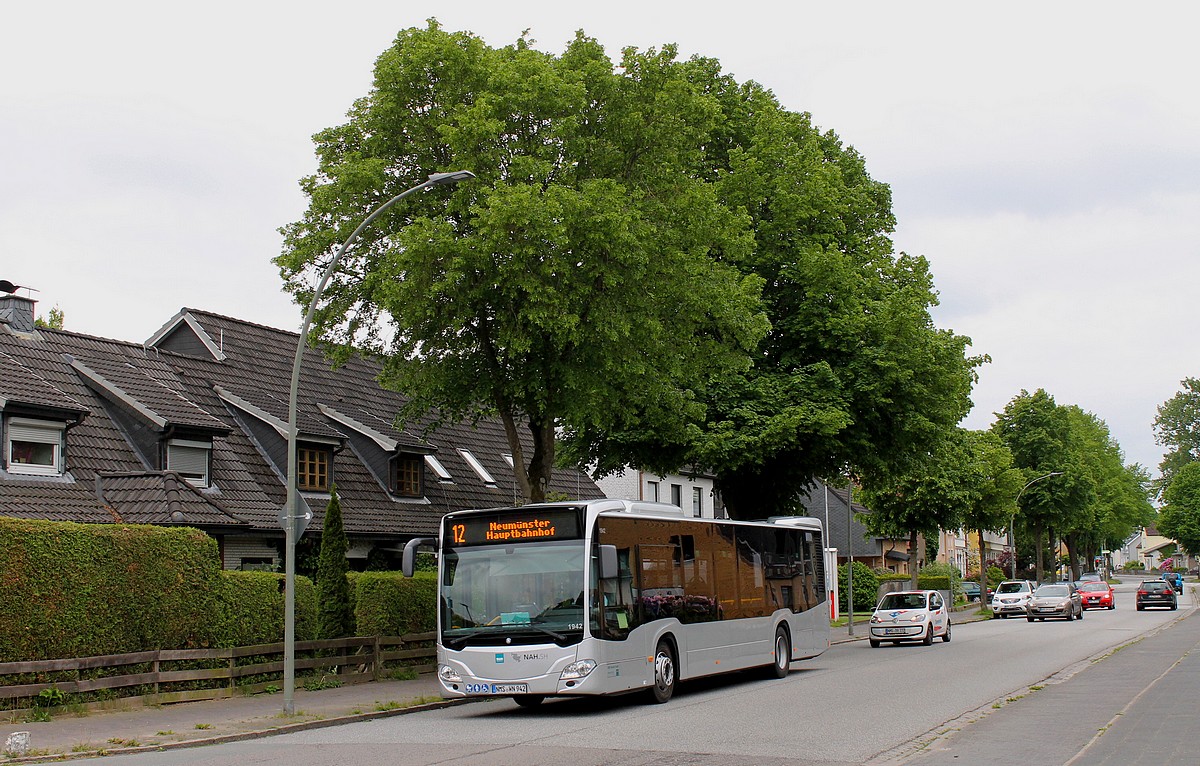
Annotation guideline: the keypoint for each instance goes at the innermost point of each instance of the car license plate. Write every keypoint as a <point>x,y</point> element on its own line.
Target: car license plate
<point>497,688</point>
<point>894,631</point>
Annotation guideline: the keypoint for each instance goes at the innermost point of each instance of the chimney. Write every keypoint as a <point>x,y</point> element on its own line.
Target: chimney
<point>17,312</point>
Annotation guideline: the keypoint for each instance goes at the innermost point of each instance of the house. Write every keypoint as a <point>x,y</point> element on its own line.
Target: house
<point>190,428</point>
<point>846,533</point>
<point>694,491</point>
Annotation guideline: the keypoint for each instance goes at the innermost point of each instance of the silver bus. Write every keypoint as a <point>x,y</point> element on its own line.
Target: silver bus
<point>613,596</point>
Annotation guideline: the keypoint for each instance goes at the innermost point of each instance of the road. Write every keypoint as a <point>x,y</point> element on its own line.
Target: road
<point>852,705</point>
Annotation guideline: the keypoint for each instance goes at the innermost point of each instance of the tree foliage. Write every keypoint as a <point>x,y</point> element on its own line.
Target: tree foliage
<point>584,281</point>
<point>657,263</point>
<point>1179,518</point>
<point>1177,426</point>
<point>335,609</point>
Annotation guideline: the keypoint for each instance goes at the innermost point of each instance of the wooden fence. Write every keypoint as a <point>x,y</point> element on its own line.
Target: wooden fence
<point>179,675</point>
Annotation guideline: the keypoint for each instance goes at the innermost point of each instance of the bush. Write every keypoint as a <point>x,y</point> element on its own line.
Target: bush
<point>390,604</point>
<point>249,609</point>
<point>866,586</point>
<point>79,590</point>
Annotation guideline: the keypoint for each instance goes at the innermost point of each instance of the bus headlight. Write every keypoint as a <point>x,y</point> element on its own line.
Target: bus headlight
<point>449,674</point>
<point>578,669</point>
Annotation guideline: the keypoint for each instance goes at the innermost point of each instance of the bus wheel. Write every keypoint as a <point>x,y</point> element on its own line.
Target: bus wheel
<point>783,653</point>
<point>664,672</point>
<point>528,700</point>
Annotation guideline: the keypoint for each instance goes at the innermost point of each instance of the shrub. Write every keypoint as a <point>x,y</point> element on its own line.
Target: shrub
<point>249,609</point>
<point>334,606</point>
<point>390,604</point>
<point>866,586</point>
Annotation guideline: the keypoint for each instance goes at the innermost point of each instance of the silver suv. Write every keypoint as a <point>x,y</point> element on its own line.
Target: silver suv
<point>1010,597</point>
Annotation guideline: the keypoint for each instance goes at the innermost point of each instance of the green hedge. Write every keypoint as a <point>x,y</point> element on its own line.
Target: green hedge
<point>249,609</point>
<point>933,582</point>
<point>76,590</point>
<point>390,604</point>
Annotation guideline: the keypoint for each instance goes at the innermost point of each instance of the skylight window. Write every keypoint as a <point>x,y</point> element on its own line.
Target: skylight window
<point>477,467</point>
<point>438,469</point>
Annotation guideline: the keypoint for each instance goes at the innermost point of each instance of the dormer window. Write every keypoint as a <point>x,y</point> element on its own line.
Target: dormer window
<point>312,469</point>
<point>406,474</point>
<point>190,459</point>
<point>35,447</point>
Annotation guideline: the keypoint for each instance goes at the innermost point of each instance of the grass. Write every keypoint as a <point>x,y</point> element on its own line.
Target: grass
<point>204,726</point>
<point>382,707</point>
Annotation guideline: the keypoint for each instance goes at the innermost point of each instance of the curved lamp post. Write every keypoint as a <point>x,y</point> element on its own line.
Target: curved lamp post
<point>1012,540</point>
<point>290,518</point>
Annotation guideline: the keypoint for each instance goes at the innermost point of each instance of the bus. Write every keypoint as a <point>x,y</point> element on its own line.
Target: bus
<point>614,596</point>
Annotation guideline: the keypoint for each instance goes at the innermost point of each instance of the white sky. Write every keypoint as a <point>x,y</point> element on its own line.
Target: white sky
<point>1042,156</point>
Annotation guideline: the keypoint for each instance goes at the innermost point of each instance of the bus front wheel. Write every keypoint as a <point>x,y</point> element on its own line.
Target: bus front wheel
<point>664,672</point>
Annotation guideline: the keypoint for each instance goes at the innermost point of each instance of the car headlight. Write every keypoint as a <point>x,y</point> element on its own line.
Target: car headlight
<point>449,674</point>
<point>919,617</point>
<point>578,669</point>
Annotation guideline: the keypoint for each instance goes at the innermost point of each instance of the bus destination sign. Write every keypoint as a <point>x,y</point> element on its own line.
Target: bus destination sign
<point>500,528</point>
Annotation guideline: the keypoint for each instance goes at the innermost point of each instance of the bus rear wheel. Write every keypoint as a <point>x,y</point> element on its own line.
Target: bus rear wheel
<point>783,653</point>
<point>664,672</point>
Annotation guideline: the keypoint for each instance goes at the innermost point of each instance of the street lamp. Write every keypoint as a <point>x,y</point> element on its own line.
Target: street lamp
<point>1012,540</point>
<point>291,517</point>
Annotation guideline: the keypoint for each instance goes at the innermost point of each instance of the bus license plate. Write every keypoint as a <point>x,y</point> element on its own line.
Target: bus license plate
<point>497,688</point>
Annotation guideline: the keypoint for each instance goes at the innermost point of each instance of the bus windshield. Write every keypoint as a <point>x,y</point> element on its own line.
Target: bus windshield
<point>520,593</point>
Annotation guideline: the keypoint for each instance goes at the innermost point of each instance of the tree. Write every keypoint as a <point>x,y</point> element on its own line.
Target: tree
<point>1177,426</point>
<point>585,281</point>
<point>992,487</point>
<point>1179,518</point>
<point>53,320</point>
<point>932,494</point>
<point>335,608</point>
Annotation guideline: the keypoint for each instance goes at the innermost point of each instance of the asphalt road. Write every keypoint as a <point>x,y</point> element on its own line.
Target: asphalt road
<point>852,705</point>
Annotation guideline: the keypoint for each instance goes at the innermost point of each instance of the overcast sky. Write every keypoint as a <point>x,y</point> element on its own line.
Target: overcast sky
<point>1042,156</point>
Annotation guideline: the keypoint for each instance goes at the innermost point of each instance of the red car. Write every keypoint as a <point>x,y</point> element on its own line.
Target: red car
<point>1096,595</point>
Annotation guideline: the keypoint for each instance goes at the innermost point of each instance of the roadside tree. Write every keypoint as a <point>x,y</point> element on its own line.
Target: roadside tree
<point>1179,518</point>
<point>1177,426</point>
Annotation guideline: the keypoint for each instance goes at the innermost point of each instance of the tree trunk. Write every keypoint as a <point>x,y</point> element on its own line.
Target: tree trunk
<point>1040,568</point>
<point>1073,555</point>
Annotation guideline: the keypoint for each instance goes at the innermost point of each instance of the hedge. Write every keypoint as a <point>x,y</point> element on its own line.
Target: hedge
<point>390,604</point>
<point>77,590</point>
<point>249,609</point>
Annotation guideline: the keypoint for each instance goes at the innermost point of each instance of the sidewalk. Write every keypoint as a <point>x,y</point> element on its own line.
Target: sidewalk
<point>187,724</point>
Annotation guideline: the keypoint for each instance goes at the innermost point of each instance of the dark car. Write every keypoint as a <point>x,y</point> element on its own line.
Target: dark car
<point>1156,593</point>
<point>1175,580</point>
<point>970,589</point>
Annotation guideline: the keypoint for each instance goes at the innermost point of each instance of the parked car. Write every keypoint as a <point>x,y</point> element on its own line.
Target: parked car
<point>1096,594</point>
<point>1156,593</point>
<point>1011,597</point>
<point>1175,580</point>
<point>910,615</point>
<point>970,589</point>
<point>1060,599</point>
<point>1090,577</point>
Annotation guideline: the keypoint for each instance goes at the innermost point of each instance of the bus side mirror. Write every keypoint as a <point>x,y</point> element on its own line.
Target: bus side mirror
<point>608,562</point>
<point>409,561</point>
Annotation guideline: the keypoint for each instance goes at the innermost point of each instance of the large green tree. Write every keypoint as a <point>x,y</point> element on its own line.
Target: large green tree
<point>1177,426</point>
<point>657,264</point>
<point>1179,518</point>
<point>585,281</point>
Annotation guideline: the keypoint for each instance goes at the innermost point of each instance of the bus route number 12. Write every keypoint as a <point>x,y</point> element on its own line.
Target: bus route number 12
<point>459,531</point>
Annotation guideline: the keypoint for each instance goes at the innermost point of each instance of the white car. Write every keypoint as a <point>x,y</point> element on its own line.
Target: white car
<point>910,615</point>
<point>1011,597</point>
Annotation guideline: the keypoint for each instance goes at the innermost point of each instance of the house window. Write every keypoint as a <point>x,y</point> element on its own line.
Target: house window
<point>189,459</point>
<point>652,491</point>
<point>35,447</point>
<point>438,469</point>
<point>697,502</point>
<point>406,476</point>
<point>677,495</point>
<point>477,467</point>
<point>312,468</point>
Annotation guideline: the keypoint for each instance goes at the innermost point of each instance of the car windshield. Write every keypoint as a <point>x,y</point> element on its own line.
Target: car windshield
<point>1051,590</point>
<point>1093,586</point>
<point>902,601</point>
<point>1011,587</point>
